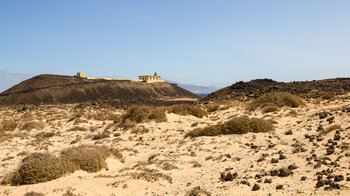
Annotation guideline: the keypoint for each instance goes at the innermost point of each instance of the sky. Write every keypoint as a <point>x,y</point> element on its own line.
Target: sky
<point>201,42</point>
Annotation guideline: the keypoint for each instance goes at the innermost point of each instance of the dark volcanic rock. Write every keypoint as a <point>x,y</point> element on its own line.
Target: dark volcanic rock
<point>55,89</point>
<point>258,87</point>
<point>256,187</point>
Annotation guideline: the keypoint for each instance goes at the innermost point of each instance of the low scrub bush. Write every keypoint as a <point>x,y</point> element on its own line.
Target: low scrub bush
<point>239,125</point>
<point>38,167</point>
<point>33,125</point>
<point>8,125</point>
<point>89,158</point>
<point>187,109</point>
<point>137,114</point>
<point>77,128</point>
<point>42,167</point>
<point>277,99</point>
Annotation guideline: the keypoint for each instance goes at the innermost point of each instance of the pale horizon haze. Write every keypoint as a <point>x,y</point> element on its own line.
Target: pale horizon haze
<point>199,42</point>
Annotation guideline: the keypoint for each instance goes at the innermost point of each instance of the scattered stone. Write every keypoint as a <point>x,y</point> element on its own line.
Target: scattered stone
<point>336,137</point>
<point>289,132</point>
<point>303,178</point>
<point>292,167</point>
<point>271,145</point>
<point>319,138</point>
<point>279,186</point>
<point>256,187</point>
<point>338,178</point>
<point>268,181</point>
<point>330,120</point>
<point>274,172</point>
<point>284,172</point>
<point>282,156</point>
<point>245,182</point>
<point>273,160</point>
<point>348,178</point>
<point>330,150</point>
<point>320,128</point>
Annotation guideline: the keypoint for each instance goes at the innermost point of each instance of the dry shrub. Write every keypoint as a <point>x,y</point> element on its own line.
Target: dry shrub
<point>187,109</point>
<point>129,123</point>
<point>330,129</point>
<point>77,128</point>
<point>38,167</point>
<point>137,114</point>
<point>33,125</point>
<point>212,107</point>
<point>270,108</point>
<point>8,125</point>
<point>140,130</point>
<point>116,118</point>
<point>198,191</point>
<point>32,193</point>
<point>158,114</point>
<point>89,158</point>
<point>278,99</point>
<point>239,125</point>
<point>99,136</point>
<point>42,167</point>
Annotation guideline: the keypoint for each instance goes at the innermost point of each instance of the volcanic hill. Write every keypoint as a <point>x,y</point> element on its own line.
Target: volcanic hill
<point>55,89</point>
<point>307,89</point>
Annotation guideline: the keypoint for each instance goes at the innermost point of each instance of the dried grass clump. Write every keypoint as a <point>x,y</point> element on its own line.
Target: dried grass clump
<point>277,99</point>
<point>212,107</point>
<point>8,125</point>
<point>187,109</point>
<point>33,125</point>
<point>78,128</point>
<point>42,167</point>
<point>137,114</point>
<point>239,125</point>
<point>39,167</point>
<point>198,191</point>
<point>89,158</point>
<point>32,193</point>
<point>116,118</point>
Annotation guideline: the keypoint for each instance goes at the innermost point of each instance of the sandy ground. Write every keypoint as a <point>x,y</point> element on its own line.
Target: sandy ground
<point>163,162</point>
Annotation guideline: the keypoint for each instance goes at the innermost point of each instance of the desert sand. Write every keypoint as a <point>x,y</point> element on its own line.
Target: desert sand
<point>163,162</point>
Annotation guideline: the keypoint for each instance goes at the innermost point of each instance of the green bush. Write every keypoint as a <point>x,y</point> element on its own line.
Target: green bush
<point>187,109</point>
<point>239,125</point>
<point>278,99</point>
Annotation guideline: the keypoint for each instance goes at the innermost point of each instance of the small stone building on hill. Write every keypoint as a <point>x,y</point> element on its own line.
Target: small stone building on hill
<point>150,78</point>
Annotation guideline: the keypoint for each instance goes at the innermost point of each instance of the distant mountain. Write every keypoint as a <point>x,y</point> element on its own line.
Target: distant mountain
<point>55,89</point>
<point>199,90</point>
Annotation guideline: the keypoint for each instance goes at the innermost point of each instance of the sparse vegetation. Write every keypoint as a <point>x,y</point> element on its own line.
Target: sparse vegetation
<point>8,125</point>
<point>39,167</point>
<point>137,114</point>
<point>32,193</point>
<point>187,109</point>
<point>239,125</point>
<point>33,125</point>
<point>198,191</point>
<point>77,128</point>
<point>42,167</point>
<point>274,100</point>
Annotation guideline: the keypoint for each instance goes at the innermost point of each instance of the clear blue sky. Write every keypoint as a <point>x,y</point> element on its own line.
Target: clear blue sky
<point>205,42</point>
